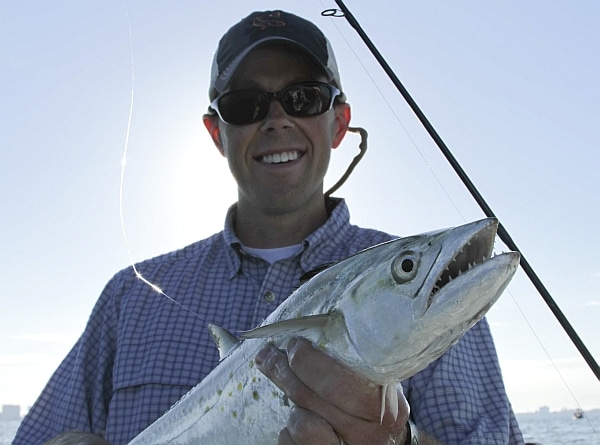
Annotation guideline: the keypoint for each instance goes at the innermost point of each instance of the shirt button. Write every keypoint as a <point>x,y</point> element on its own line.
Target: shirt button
<point>269,297</point>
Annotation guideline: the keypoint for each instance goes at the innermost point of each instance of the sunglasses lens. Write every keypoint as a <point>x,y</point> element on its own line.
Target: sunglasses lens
<point>243,107</point>
<point>306,100</point>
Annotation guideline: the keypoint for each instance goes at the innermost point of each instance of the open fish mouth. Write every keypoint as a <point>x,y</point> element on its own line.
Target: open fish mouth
<point>474,252</point>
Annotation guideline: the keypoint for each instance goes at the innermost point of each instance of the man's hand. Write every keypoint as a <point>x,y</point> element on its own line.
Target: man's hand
<point>333,404</point>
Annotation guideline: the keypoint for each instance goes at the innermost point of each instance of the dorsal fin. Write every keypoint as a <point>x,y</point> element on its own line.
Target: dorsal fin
<point>311,273</point>
<point>225,340</point>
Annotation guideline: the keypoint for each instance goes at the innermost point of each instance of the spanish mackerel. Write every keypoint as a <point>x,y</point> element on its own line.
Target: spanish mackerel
<point>385,312</point>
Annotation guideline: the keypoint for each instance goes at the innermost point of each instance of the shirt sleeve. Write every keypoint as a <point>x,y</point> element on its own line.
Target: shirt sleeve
<point>461,399</point>
<point>77,395</point>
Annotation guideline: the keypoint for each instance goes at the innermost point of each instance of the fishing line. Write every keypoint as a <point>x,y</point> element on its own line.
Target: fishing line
<point>158,290</point>
<point>362,146</point>
<point>138,274</point>
<point>334,13</point>
<point>337,13</point>
<point>502,232</point>
<point>554,365</point>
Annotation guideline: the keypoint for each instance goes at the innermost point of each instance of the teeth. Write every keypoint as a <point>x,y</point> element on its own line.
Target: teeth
<point>453,270</point>
<point>278,158</point>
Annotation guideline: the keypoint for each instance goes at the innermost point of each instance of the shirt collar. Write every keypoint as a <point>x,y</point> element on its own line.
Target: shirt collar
<point>319,246</point>
<point>232,242</point>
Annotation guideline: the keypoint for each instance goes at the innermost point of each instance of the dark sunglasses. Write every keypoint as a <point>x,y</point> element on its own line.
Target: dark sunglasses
<point>243,107</point>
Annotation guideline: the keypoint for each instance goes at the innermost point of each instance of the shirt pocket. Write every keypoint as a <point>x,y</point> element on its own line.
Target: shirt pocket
<point>164,358</point>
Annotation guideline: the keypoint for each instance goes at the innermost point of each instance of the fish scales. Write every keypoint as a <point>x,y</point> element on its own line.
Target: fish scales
<point>385,312</point>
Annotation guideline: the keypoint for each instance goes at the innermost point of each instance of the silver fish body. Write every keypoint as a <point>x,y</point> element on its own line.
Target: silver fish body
<point>386,313</point>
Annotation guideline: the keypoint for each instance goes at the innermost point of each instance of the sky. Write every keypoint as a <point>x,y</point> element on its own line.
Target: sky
<point>511,87</point>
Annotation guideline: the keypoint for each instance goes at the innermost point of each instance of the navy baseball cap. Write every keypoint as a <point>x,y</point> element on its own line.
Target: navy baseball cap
<point>270,26</point>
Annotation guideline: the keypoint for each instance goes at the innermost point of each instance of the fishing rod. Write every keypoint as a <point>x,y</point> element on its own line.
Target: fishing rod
<point>502,232</point>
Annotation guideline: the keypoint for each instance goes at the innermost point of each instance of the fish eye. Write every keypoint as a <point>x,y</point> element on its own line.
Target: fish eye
<point>405,266</point>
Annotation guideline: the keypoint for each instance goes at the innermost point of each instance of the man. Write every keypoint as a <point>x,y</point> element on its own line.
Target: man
<point>276,112</point>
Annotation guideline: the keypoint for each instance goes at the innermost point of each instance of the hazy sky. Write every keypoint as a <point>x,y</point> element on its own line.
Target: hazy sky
<point>511,86</point>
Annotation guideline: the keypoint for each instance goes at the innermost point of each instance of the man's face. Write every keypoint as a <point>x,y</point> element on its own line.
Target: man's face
<point>254,151</point>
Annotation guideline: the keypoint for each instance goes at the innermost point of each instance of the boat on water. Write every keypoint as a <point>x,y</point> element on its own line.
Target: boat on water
<point>578,413</point>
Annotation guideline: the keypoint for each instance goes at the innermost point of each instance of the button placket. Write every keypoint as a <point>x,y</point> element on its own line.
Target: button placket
<point>269,296</point>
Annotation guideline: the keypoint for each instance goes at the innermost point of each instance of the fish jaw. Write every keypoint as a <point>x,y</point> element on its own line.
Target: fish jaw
<point>460,305</point>
<point>454,284</point>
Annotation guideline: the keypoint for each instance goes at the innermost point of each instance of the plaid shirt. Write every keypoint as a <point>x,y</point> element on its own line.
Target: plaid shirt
<point>140,351</point>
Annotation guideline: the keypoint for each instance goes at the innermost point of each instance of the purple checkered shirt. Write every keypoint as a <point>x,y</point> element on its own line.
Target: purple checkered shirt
<point>140,352</point>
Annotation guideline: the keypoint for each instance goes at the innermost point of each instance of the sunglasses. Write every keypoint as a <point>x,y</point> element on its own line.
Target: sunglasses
<point>243,107</point>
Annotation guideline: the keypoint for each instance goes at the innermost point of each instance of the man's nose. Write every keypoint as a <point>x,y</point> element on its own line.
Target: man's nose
<point>276,117</point>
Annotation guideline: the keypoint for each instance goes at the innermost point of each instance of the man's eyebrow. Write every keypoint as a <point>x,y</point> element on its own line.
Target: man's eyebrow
<point>248,84</point>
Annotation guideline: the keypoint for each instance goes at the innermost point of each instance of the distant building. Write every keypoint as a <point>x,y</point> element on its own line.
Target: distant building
<point>543,410</point>
<point>10,412</point>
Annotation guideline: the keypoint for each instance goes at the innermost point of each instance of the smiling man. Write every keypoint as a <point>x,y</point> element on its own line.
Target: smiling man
<point>278,156</point>
<point>276,111</point>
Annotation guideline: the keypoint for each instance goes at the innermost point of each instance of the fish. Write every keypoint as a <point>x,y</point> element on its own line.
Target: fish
<point>385,312</point>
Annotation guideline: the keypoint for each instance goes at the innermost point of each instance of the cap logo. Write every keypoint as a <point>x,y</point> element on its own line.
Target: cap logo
<point>268,20</point>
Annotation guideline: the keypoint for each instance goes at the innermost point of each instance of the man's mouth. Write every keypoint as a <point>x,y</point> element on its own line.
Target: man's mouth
<point>280,158</point>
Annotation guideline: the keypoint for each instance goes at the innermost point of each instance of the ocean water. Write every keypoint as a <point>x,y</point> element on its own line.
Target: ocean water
<point>8,428</point>
<point>561,428</point>
<point>543,429</point>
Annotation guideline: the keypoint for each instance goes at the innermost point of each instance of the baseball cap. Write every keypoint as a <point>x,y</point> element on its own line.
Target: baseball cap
<point>270,26</point>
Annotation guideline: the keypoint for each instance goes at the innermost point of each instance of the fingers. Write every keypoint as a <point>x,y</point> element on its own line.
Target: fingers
<point>341,387</point>
<point>274,364</point>
<point>334,382</point>
<point>305,427</point>
<point>360,397</point>
<point>321,387</point>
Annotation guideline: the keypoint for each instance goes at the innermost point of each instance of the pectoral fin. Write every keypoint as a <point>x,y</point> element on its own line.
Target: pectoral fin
<point>304,326</point>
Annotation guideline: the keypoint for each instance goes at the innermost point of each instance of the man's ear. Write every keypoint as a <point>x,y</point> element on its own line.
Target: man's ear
<point>342,121</point>
<point>211,122</point>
